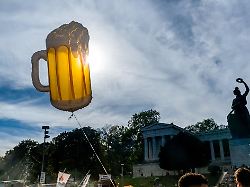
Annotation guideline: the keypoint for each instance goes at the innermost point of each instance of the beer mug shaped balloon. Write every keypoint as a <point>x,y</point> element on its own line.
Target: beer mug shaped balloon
<point>68,70</point>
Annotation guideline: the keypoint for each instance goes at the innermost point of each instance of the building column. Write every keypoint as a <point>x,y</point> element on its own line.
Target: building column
<point>221,150</point>
<point>154,148</point>
<point>163,141</point>
<point>212,150</point>
<point>145,149</point>
<point>150,151</point>
<point>229,148</point>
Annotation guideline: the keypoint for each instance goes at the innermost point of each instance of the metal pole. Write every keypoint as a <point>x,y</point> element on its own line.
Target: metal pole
<point>122,176</point>
<point>42,176</point>
<point>43,154</point>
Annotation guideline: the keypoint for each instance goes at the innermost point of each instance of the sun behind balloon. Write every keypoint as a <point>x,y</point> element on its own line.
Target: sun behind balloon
<point>68,70</point>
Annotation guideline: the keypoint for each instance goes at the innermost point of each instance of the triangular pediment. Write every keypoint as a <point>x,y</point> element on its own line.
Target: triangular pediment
<point>162,129</point>
<point>158,126</point>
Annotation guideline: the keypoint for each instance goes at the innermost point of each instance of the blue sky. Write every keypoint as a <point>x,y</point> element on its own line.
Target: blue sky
<point>179,57</point>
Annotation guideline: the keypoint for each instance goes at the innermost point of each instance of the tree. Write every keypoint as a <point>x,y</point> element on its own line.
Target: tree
<point>184,151</point>
<point>17,163</point>
<point>204,126</point>
<point>116,152</point>
<point>133,135</point>
<point>143,119</point>
<point>72,150</point>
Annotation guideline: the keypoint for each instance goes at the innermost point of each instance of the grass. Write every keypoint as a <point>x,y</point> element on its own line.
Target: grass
<point>167,181</point>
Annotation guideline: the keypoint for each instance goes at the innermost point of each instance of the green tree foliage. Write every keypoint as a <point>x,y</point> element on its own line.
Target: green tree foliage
<point>204,126</point>
<point>124,144</point>
<point>17,163</point>
<point>69,150</point>
<point>134,134</point>
<point>1,165</point>
<point>72,151</point>
<point>20,151</point>
<point>143,119</point>
<point>35,160</point>
<point>184,151</point>
<point>116,153</point>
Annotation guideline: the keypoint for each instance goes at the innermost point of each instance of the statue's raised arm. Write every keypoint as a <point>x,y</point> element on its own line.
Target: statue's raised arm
<point>240,80</point>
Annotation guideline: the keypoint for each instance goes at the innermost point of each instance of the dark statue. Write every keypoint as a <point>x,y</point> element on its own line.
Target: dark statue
<point>239,118</point>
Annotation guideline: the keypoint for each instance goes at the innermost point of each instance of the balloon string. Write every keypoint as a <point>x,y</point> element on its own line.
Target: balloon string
<point>73,115</point>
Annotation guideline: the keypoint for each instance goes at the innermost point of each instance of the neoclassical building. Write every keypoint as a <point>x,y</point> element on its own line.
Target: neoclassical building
<point>223,150</point>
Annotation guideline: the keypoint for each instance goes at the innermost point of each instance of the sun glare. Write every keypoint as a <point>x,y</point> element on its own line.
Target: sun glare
<point>96,58</point>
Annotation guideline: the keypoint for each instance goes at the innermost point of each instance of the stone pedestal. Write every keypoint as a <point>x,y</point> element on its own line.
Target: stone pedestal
<point>240,151</point>
<point>239,125</point>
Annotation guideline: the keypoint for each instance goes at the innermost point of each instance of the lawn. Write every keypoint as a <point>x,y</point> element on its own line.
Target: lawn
<point>167,181</point>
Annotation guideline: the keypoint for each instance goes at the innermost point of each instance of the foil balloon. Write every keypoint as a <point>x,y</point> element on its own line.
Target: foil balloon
<point>68,71</point>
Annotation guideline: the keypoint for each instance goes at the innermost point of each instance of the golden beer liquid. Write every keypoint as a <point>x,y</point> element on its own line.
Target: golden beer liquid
<point>69,78</point>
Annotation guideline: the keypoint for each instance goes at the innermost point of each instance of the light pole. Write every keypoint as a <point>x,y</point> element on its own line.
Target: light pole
<point>42,177</point>
<point>122,176</point>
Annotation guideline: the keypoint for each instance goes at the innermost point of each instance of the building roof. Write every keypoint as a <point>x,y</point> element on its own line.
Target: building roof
<point>214,134</point>
<point>161,129</point>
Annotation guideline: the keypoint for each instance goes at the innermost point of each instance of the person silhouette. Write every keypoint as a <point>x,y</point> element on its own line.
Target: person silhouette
<point>192,180</point>
<point>242,177</point>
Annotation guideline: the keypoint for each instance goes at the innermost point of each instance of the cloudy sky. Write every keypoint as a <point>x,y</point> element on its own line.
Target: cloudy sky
<point>179,57</point>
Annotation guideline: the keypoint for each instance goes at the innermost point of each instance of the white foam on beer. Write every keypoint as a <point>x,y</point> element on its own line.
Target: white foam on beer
<point>72,35</point>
